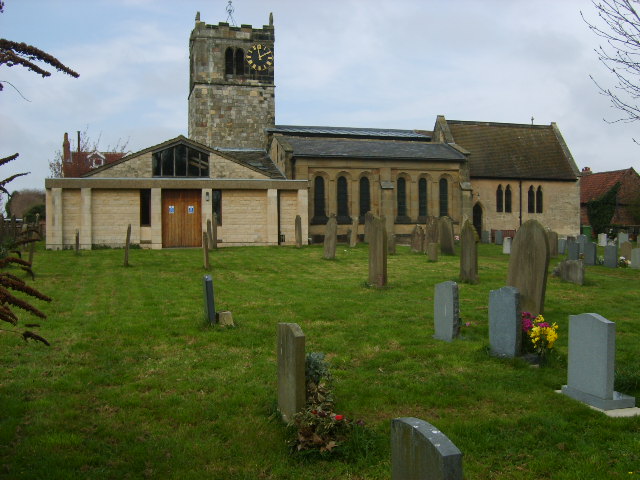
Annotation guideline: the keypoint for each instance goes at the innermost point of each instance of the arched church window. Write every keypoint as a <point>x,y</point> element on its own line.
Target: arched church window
<point>343,201</point>
<point>499,199</point>
<point>401,196</point>
<point>365,198</point>
<point>531,200</point>
<point>444,197</point>
<point>507,199</point>
<point>539,200</point>
<point>422,197</point>
<point>319,212</point>
<point>239,61</point>
<point>228,61</point>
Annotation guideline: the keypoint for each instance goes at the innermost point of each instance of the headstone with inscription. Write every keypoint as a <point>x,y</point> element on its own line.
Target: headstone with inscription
<point>505,322</point>
<point>446,311</point>
<point>432,252</point>
<point>611,256</point>
<point>624,250</point>
<point>447,244</point>
<point>378,252</point>
<point>468,254</point>
<point>573,250</point>
<point>590,253</point>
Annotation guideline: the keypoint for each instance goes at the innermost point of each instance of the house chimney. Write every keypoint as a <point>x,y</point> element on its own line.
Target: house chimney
<point>66,148</point>
<point>586,171</point>
<point>78,141</point>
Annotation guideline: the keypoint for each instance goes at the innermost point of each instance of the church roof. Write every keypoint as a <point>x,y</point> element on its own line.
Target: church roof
<point>507,150</point>
<point>350,132</point>
<point>371,149</point>
<point>254,159</point>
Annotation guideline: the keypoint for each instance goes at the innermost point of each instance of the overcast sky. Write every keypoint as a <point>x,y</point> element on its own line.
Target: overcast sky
<point>359,63</point>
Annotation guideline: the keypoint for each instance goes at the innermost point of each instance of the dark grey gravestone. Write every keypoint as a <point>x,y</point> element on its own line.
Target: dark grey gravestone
<point>330,238</point>
<point>622,237</point>
<point>486,236</point>
<point>590,253</point>
<point>446,311</point>
<point>635,258</point>
<point>581,240</point>
<point>562,246</point>
<point>209,301</point>
<point>432,234</point>
<point>611,256</point>
<point>291,370</point>
<point>624,250</point>
<point>468,254</point>
<point>378,252</point>
<point>572,271</point>
<point>419,451</point>
<point>528,266</point>
<point>573,250</point>
<point>602,239</point>
<point>499,237</point>
<point>506,245</point>
<point>432,252</point>
<point>447,245</point>
<point>553,243</point>
<point>505,323</point>
<point>591,363</point>
<point>298,231</point>
<point>353,234</point>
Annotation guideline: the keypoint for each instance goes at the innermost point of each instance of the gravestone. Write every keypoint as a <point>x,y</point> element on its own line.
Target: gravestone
<point>367,225</point>
<point>553,243</point>
<point>291,370</point>
<point>611,256</point>
<point>378,252</point>
<point>562,246</point>
<point>225,319</point>
<point>622,237</point>
<point>446,311</point>
<point>506,245</point>
<point>353,232</point>
<point>209,233</point>
<point>635,258</point>
<point>468,254</point>
<point>590,256</point>
<point>581,240</point>
<point>591,363</point>
<point>330,238</point>
<point>625,250</point>
<point>127,243</point>
<point>445,227</point>
<point>431,232</point>
<point>205,250</point>
<point>209,301</point>
<point>505,322</point>
<point>573,250</point>
<point>432,252</point>
<point>298,231</point>
<point>572,271</point>
<point>419,451</point>
<point>602,239</point>
<point>416,239</point>
<point>214,232</point>
<point>391,243</point>
<point>528,266</point>
<point>486,236</point>
<point>499,237</point>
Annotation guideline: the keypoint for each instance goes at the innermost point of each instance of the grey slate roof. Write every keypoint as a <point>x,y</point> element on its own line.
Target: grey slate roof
<point>383,149</point>
<point>385,133</point>
<point>254,159</point>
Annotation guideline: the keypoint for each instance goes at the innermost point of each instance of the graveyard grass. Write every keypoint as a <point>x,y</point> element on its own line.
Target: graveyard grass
<point>136,385</point>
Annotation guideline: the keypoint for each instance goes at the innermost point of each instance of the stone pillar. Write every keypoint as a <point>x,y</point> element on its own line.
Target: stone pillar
<point>156,218</point>
<point>54,219</point>
<point>207,207</point>
<point>303,211</point>
<point>86,234</point>
<point>272,216</point>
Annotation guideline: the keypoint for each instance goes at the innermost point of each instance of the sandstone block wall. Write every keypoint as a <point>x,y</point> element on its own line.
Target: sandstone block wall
<point>137,167</point>
<point>112,211</point>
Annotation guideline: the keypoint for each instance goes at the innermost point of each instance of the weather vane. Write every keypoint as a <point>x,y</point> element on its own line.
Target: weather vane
<point>230,11</point>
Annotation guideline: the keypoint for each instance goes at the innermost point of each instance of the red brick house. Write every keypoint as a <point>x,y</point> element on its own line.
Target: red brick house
<point>76,164</point>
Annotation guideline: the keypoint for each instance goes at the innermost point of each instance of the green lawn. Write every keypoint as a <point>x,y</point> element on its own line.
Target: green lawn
<point>135,385</point>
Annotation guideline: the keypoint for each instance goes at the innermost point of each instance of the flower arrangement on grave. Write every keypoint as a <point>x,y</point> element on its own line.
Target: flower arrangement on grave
<point>318,428</point>
<point>540,335</point>
<point>623,262</point>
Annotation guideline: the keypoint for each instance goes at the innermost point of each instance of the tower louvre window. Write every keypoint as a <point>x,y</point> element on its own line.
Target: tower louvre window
<point>239,61</point>
<point>228,61</point>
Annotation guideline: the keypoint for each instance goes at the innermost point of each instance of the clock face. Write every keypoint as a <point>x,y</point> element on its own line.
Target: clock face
<point>259,57</point>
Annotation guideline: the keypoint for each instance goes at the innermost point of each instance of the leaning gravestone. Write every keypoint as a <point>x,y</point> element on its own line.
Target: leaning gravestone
<point>591,363</point>
<point>611,256</point>
<point>446,311</point>
<point>291,370</point>
<point>602,239</point>
<point>562,246</point>
<point>622,237</point>
<point>590,253</point>
<point>447,245</point>
<point>298,231</point>
<point>528,266</point>
<point>353,234</point>
<point>468,254</point>
<point>573,250</point>
<point>506,245</point>
<point>330,238</point>
<point>553,243</point>
<point>419,451</point>
<point>625,250</point>
<point>378,252</point>
<point>572,271</point>
<point>416,239</point>
<point>486,236</point>
<point>432,252</point>
<point>635,258</point>
<point>505,322</point>
<point>499,237</point>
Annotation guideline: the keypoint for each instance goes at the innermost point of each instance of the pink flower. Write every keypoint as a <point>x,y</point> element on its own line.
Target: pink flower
<point>543,324</point>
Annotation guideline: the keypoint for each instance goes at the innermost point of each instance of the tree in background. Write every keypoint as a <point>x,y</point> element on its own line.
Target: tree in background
<point>620,54</point>
<point>21,201</point>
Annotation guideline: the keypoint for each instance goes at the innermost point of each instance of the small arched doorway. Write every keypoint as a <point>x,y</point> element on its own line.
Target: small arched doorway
<point>477,218</point>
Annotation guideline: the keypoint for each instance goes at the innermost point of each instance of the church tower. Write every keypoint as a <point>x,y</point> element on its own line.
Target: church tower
<point>231,87</point>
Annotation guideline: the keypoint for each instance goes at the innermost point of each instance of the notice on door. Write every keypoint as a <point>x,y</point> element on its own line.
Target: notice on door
<point>191,209</point>
<point>172,209</point>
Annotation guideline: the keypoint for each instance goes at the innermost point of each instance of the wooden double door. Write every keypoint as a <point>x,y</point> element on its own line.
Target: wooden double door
<point>181,218</point>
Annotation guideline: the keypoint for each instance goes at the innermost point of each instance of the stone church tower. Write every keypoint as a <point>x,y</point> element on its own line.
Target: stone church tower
<point>231,87</point>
